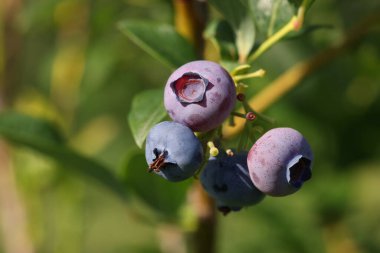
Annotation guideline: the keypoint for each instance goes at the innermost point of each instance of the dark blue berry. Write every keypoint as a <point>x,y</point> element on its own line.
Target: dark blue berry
<point>226,179</point>
<point>173,151</point>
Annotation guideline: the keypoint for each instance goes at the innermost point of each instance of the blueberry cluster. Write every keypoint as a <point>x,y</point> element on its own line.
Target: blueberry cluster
<point>199,96</point>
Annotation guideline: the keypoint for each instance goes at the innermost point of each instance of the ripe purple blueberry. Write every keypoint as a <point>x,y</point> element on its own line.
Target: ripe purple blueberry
<point>280,162</point>
<point>200,95</point>
<point>226,179</point>
<point>173,151</point>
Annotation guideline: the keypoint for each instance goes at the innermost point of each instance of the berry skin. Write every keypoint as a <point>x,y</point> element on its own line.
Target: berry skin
<point>173,151</point>
<point>226,179</point>
<point>200,95</point>
<point>280,162</point>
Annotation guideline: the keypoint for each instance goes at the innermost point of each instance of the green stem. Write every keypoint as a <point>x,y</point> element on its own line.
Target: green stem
<point>294,24</point>
<point>190,18</point>
<point>259,73</point>
<point>248,108</point>
<point>291,78</point>
<point>238,114</point>
<point>273,39</point>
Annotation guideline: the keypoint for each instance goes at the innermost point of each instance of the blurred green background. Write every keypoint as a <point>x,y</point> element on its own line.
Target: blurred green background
<point>66,61</point>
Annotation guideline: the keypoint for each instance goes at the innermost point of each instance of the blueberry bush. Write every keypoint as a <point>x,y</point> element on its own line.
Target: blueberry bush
<point>189,126</point>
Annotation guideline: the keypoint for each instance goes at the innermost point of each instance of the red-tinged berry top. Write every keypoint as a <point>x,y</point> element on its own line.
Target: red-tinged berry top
<point>250,116</point>
<point>190,88</point>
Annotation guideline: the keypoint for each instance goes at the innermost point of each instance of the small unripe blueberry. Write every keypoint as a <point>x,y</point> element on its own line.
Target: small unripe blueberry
<point>280,162</point>
<point>240,97</point>
<point>173,151</point>
<point>226,179</point>
<point>200,95</point>
<point>250,116</point>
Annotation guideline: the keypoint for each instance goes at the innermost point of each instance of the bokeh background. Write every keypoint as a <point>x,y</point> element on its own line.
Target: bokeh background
<point>66,61</point>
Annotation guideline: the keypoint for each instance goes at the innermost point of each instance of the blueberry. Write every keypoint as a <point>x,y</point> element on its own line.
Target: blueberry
<point>226,179</point>
<point>200,95</point>
<point>280,162</point>
<point>173,151</point>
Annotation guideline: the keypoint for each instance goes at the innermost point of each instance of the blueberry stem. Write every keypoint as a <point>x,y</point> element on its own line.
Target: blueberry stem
<point>260,116</point>
<point>243,140</point>
<point>238,114</point>
<point>246,106</point>
<point>258,73</point>
<point>219,132</point>
<point>231,121</point>
<point>205,138</point>
<point>239,68</point>
<point>253,129</point>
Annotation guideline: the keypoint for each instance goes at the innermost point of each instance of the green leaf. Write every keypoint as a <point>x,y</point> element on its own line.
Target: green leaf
<point>245,37</point>
<point>44,137</point>
<point>159,40</point>
<point>147,110</point>
<point>237,13</point>
<point>223,37</point>
<point>270,16</point>
<point>25,128</point>
<point>30,131</point>
<point>161,195</point>
<point>234,11</point>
